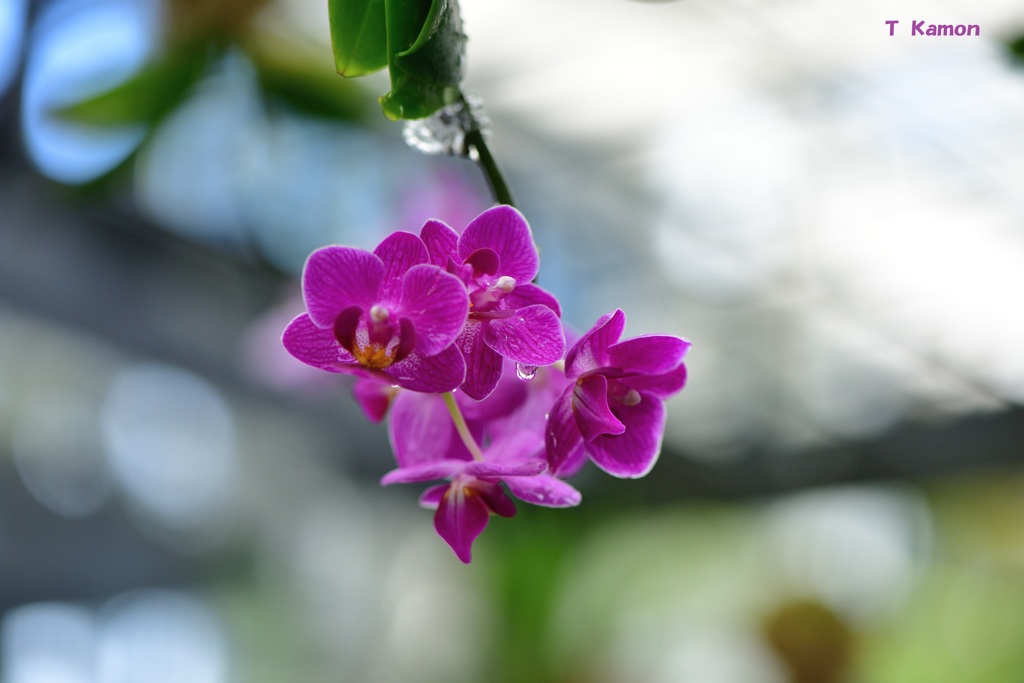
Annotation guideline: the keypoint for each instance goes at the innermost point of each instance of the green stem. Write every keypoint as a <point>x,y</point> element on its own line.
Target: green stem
<point>496,181</point>
<point>461,427</point>
<point>476,146</point>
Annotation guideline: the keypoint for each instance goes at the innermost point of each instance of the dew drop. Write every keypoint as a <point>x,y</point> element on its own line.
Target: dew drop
<point>526,372</point>
<point>444,131</point>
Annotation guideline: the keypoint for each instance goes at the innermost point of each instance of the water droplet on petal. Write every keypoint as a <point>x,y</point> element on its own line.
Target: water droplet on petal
<point>526,372</point>
<point>444,131</point>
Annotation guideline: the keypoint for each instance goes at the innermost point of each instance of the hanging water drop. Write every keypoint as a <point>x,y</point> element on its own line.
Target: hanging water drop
<point>526,372</point>
<point>444,131</point>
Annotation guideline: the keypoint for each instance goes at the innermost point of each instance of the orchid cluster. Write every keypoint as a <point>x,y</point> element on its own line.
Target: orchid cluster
<point>451,340</point>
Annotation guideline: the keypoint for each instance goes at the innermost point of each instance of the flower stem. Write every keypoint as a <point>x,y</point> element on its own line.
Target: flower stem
<point>461,427</point>
<point>478,151</point>
<point>484,159</point>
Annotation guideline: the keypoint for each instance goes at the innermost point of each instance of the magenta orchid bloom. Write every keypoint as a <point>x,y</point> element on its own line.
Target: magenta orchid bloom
<point>509,317</point>
<point>472,494</point>
<point>428,447</point>
<point>389,315</point>
<point>437,329</point>
<point>614,410</point>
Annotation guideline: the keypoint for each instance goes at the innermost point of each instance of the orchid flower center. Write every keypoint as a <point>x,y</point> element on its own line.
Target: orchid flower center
<point>627,396</point>
<point>487,296</point>
<point>379,315</point>
<point>373,338</point>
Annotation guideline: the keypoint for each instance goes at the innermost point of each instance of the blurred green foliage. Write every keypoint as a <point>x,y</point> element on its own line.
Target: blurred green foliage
<point>600,594</point>
<point>148,96</point>
<point>197,37</point>
<point>1016,48</point>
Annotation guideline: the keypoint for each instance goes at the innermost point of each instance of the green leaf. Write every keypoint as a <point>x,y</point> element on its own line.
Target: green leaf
<point>425,57</point>
<point>358,36</point>
<point>146,97</point>
<point>300,80</point>
<point>420,41</point>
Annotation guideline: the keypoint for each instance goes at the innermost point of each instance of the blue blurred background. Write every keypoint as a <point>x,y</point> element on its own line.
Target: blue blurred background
<point>833,215</point>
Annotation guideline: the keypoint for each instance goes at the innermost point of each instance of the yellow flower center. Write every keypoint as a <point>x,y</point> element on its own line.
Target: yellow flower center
<point>374,356</point>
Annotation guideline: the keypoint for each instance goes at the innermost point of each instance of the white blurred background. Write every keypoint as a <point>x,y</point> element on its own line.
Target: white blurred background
<point>833,215</point>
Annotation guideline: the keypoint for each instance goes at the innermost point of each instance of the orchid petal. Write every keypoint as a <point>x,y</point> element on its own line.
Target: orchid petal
<point>648,355</point>
<point>431,498</point>
<point>374,397</point>
<point>483,365</point>
<point>563,441</point>
<point>461,516</point>
<point>436,303</point>
<point>498,470</point>
<point>528,294</point>
<point>658,386</point>
<point>421,430</point>
<point>590,406</point>
<point>463,271</point>
<point>495,497</point>
<point>590,352</point>
<point>544,490</point>
<point>532,336</point>
<point>315,346</point>
<point>531,416</point>
<point>633,453</point>
<point>426,471</point>
<point>441,241</point>
<point>399,252</point>
<point>574,462</point>
<point>336,278</point>
<point>506,399</point>
<point>435,374</point>
<point>504,230</point>
<point>513,448</point>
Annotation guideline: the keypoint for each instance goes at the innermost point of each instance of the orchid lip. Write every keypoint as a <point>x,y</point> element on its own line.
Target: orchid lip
<point>484,261</point>
<point>487,298</point>
<point>631,398</point>
<point>375,342</point>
